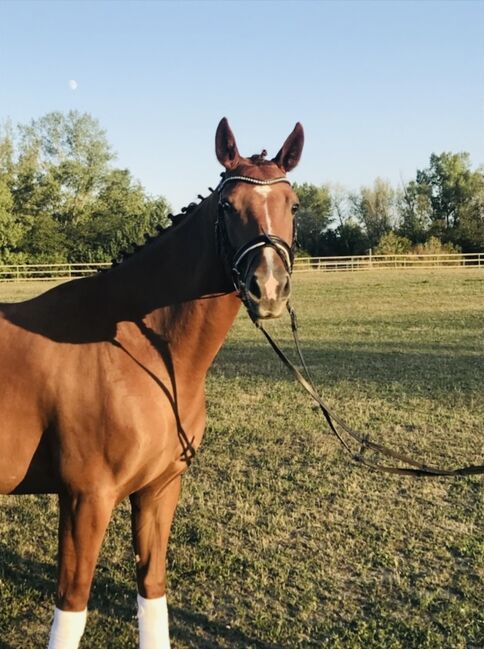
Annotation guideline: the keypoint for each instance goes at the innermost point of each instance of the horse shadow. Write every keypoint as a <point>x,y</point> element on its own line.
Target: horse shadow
<point>31,579</point>
<point>414,366</point>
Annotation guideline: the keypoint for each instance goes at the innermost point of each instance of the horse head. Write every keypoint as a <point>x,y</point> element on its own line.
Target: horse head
<point>256,221</point>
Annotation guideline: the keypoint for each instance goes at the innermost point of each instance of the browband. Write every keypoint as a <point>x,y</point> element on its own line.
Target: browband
<point>254,181</point>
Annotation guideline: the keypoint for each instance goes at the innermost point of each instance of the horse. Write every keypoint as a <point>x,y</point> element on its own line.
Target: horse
<point>102,378</point>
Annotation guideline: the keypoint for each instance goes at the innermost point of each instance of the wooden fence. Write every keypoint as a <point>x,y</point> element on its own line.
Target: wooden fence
<point>47,272</point>
<point>50,272</point>
<point>397,262</point>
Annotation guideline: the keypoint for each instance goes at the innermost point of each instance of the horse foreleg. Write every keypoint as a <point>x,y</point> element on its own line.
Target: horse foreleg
<point>152,515</point>
<point>82,523</point>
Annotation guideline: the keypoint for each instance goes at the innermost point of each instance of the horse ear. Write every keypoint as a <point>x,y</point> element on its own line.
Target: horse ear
<point>291,150</point>
<point>225,146</point>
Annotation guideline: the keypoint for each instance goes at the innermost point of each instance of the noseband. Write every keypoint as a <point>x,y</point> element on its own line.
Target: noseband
<point>234,257</point>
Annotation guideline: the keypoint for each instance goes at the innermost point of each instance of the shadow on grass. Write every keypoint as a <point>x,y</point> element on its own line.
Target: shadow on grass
<point>412,366</point>
<point>112,599</point>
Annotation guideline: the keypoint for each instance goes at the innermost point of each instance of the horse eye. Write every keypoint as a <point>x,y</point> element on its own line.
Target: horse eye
<point>295,208</point>
<point>227,206</point>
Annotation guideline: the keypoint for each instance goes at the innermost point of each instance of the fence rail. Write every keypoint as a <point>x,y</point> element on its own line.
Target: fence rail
<point>399,262</point>
<point>49,272</point>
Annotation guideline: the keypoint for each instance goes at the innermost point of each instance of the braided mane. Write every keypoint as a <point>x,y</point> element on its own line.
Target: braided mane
<point>176,219</point>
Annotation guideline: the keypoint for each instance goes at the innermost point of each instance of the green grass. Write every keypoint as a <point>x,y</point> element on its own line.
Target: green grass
<point>279,540</point>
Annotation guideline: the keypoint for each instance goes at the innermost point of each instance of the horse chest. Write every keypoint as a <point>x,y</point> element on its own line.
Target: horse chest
<point>128,421</point>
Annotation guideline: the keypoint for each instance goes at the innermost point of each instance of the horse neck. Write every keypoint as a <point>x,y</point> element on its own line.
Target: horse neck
<point>177,288</point>
<point>179,265</point>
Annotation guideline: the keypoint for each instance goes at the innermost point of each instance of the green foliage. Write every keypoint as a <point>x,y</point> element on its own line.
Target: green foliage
<point>73,150</point>
<point>415,213</point>
<point>446,201</point>
<point>121,214</point>
<point>60,198</point>
<point>346,239</point>
<point>448,184</point>
<point>11,229</point>
<point>470,232</point>
<point>45,242</point>
<point>8,236</point>
<point>313,217</point>
<point>373,207</point>
<point>393,244</point>
<point>6,153</point>
<point>434,246</point>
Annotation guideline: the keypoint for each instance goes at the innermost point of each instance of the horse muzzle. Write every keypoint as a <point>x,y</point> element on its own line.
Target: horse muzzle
<point>267,285</point>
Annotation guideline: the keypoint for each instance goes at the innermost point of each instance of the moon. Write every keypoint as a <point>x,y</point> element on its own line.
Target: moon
<point>73,84</point>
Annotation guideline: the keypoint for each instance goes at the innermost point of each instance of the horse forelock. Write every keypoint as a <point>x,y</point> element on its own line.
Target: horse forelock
<point>260,158</point>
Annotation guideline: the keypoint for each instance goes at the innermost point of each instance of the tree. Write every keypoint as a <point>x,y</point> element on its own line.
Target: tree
<point>444,201</point>
<point>11,230</point>
<point>60,197</point>
<point>415,212</point>
<point>393,244</point>
<point>44,242</point>
<point>448,183</point>
<point>470,233</point>
<point>313,217</point>
<point>70,155</point>
<point>434,246</point>
<point>374,208</point>
<point>121,214</point>
<point>346,239</point>
<point>6,154</point>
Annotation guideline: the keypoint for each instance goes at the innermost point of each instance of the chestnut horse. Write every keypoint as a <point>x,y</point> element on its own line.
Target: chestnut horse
<point>102,378</point>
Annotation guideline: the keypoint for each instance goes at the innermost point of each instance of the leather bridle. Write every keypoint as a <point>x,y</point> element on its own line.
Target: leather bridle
<point>235,258</point>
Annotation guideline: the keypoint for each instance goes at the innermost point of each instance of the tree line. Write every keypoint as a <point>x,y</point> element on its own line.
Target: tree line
<point>61,197</point>
<point>63,200</point>
<point>441,210</point>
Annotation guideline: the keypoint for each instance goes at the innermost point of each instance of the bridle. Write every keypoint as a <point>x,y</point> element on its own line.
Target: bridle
<point>234,258</point>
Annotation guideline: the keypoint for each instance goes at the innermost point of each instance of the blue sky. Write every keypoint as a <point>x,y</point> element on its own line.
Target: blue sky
<point>378,86</point>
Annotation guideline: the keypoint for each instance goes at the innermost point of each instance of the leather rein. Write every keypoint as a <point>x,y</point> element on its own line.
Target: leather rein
<point>234,258</point>
<point>412,467</point>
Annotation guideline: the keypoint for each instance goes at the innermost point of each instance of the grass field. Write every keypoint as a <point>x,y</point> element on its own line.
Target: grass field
<point>279,540</point>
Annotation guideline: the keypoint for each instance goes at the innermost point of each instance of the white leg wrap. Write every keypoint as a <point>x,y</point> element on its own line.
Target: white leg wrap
<point>153,623</point>
<point>67,629</point>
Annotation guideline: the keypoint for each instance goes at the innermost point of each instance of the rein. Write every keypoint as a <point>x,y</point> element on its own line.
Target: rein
<point>413,467</point>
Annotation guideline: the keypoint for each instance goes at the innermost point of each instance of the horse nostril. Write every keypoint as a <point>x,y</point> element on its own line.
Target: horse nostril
<point>254,288</point>
<point>286,289</point>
